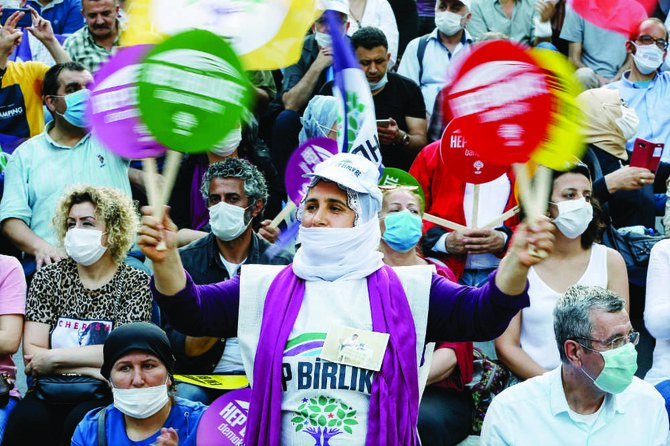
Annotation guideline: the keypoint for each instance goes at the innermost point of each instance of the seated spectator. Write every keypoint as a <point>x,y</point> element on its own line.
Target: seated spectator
<point>319,119</point>
<point>627,191</point>
<point>656,316</point>
<point>93,44</point>
<point>22,113</point>
<point>397,101</point>
<point>236,193</point>
<point>74,304</point>
<point>65,148</point>
<point>400,224</point>
<point>188,209</point>
<point>377,14</point>
<point>524,21</point>
<point>427,58</point>
<point>138,363</point>
<point>526,347</point>
<point>12,309</point>
<point>445,412</point>
<point>593,397</point>
<point>473,254</point>
<point>644,88</point>
<point>594,48</point>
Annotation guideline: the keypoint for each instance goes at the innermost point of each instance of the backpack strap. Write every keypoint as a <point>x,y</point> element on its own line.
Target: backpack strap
<point>420,51</point>
<point>102,434</point>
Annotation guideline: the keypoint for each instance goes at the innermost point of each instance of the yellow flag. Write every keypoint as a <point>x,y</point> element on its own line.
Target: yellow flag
<point>564,144</point>
<point>266,34</point>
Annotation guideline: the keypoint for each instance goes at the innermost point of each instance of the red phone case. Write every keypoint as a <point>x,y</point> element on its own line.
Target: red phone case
<point>646,154</point>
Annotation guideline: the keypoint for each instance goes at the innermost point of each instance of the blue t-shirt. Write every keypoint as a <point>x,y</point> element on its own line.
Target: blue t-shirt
<point>64,15</point>
<point>184,418</point>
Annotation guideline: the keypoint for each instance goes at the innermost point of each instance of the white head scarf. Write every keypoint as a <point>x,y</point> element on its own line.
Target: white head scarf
<point>344,253</point>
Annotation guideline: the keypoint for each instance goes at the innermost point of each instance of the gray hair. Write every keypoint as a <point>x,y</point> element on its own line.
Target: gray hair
<point>255,187</point>
<point>572,315</point>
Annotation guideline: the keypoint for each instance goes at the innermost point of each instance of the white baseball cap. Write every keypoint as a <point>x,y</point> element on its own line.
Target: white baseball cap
<point>351,171</point>
<point>335,5</point>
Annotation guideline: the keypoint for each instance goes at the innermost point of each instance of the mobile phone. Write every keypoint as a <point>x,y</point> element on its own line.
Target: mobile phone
<point>646,154</point>
<point>24,22</point>
<point>383,122</point>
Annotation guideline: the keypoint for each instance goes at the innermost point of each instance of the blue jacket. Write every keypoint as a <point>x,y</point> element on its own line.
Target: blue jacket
<point>184,418</point>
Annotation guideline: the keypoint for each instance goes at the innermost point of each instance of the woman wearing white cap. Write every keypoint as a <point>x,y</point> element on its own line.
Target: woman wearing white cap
<point>288,317</point>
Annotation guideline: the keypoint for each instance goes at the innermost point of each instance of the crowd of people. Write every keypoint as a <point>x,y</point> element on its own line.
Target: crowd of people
<point>112,303</point>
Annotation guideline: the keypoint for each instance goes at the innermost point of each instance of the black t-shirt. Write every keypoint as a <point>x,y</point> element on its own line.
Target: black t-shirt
<point>400,98</point>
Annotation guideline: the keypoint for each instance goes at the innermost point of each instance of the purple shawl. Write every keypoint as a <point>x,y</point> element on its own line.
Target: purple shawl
<point>394,398</point>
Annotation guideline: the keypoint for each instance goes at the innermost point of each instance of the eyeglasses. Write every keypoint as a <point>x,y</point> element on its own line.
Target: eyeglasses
<point>633,337</point>
<point>648,40</point>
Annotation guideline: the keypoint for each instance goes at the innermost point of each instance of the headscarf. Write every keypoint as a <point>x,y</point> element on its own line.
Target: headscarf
<point>136,336</point>
<point>344,253</point>
<point>318,118</point>
<point>602,107</point>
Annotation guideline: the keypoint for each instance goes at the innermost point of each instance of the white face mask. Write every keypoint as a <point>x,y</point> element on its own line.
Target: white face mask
<point>227,221</point>
<point>628,122</point>
<point>574,217</point>
<point>229,144</point>
<point>449,23</point>
<point>84,245</point>
<point>647,58</point>
<point>324,40</point>
<point>140,403</point>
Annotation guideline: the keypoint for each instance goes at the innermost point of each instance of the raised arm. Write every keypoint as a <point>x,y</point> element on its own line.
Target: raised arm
<point>195,310</point>
<point>460,313</point>
<point>42,30</point>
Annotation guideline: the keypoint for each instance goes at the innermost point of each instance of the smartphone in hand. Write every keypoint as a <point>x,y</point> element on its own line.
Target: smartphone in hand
<point>24,22</point>
<point>383,122</point>
<point>646,154</point>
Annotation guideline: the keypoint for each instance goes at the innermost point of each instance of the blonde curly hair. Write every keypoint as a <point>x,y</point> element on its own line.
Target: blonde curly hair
<point>116,209</point>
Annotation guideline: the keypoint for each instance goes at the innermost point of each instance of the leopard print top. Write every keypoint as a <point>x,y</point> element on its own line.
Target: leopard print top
<point>56,291</point>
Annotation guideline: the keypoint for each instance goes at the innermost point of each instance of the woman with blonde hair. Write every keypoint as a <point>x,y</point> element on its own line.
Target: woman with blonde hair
<point>72,307</point>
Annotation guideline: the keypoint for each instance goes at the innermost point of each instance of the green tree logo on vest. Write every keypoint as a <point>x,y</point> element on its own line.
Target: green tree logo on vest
<point>324,417</point>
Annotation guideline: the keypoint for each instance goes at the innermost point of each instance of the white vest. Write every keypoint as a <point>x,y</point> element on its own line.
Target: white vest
<point>335,396</point>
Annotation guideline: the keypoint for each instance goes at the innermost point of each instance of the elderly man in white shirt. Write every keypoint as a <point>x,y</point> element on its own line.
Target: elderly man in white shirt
<point>593,397</point>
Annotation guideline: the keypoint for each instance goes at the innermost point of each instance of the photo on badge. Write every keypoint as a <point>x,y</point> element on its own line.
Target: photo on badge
<point>355,347</point>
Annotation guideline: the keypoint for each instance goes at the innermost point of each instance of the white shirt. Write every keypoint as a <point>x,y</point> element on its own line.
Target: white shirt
<point>378,13</point>
<point>436,61</point>
<point>536,412</point>
<point>657,310</point>
<point>537,321</point>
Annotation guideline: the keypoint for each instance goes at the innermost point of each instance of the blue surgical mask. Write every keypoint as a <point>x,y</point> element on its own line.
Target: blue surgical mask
<point>76,104</point>
<point>382,82</point>
<point>403,230</point>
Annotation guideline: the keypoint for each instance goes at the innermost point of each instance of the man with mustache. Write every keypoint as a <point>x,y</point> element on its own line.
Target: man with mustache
<point>92,45</point>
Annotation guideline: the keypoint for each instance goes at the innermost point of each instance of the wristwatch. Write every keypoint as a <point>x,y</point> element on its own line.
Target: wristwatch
<point>405,139</point>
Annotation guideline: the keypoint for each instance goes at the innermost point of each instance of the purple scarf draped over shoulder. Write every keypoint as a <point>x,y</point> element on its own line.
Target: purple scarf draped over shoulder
<point>394,397</point>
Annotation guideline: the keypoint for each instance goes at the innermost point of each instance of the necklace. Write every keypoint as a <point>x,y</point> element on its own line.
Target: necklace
<point>359,8</point>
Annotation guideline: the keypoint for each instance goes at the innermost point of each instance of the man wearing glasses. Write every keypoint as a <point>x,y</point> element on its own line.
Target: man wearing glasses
<point>646,89</point>
<point>593,397</point>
